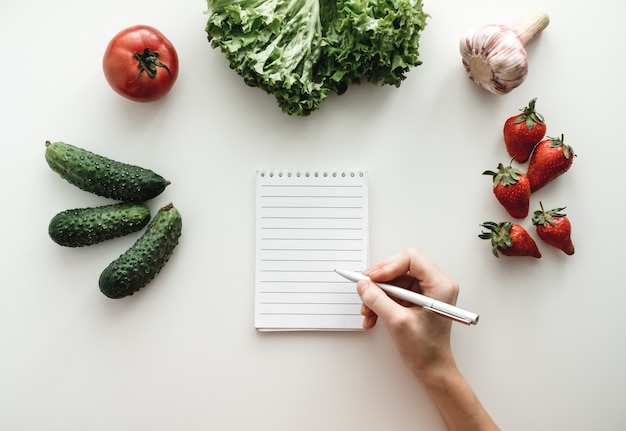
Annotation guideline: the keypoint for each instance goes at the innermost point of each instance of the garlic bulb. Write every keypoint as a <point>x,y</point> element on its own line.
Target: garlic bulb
<point>494,55</point>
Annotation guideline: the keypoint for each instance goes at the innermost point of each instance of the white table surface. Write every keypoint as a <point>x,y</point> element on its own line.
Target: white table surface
<point>182,354</point>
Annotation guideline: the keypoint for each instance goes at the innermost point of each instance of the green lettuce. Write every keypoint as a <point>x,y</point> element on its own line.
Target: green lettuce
<point>300,50</point>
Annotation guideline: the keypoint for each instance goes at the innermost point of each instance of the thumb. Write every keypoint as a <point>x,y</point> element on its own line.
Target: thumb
<point>376,300</point>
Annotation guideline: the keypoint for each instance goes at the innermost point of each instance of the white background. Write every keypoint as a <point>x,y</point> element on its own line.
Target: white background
<point>182,354</point>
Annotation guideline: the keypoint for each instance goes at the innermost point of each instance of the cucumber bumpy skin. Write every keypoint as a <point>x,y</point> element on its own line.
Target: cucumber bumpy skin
<point>103,176</point>
<point>81,227</point>
<point>143,260</point>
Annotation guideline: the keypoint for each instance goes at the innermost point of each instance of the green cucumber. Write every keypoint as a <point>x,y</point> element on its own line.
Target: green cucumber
<point>103,176</point>
<point>87,226</point>
<point>136,267</point>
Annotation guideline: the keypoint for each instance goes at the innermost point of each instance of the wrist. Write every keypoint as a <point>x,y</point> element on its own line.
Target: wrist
<point>454,398</point>
<point>438,374</point>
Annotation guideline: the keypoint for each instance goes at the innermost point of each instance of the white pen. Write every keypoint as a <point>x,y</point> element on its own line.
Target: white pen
<point>441,308</point>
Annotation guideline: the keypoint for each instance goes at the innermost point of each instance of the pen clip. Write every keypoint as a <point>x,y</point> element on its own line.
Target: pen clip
<point>459,319</point>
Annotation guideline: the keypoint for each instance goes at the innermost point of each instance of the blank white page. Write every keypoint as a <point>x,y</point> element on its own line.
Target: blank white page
<point>307,225</point>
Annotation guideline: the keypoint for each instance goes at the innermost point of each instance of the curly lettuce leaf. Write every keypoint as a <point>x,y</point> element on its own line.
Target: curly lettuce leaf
<point>299,50</point>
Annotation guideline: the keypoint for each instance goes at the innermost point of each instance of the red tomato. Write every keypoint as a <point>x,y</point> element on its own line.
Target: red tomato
<point>140,63</point>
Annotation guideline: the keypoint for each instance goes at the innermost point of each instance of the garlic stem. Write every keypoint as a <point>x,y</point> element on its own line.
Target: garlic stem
<point>531,25</point>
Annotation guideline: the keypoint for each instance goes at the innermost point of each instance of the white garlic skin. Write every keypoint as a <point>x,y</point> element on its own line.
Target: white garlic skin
<point>494,58</point>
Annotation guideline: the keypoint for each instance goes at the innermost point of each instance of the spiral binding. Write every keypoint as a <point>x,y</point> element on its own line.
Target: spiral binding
<point>306,174</point>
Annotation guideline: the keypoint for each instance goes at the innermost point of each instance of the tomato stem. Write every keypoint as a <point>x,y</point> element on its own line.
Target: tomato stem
<point>149,62</point>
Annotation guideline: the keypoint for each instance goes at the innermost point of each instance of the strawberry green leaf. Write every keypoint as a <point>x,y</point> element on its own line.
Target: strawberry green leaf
<point>529,115</point>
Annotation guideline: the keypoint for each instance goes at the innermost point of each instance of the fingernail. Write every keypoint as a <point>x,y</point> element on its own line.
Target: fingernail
<point>361,286</point>
<point>373,272</point>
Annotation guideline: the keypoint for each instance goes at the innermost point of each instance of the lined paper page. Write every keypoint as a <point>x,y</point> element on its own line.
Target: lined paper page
<point>308,224</point>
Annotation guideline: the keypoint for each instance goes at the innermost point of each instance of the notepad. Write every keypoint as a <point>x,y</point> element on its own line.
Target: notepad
<point>308,224</point>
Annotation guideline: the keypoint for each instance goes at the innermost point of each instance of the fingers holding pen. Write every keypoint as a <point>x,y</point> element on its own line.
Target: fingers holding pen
<point>376,303</point>
<point>428,277</point>
<point>409,261</point>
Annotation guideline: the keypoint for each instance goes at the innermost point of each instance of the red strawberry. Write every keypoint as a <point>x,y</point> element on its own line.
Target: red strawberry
<point>510,239</point>
<point>554,228</point>
<point>551,158</point>
<point>523,131</point>
<point>512,189</point>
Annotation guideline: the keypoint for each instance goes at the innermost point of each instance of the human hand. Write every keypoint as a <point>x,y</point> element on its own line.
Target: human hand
<point>421,337</point>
